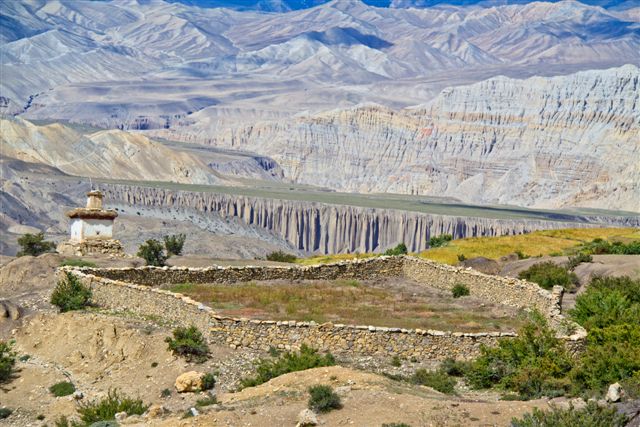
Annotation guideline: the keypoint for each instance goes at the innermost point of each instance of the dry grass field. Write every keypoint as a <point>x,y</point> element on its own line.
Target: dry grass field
<point>537,243</point>
<point>393,303</point>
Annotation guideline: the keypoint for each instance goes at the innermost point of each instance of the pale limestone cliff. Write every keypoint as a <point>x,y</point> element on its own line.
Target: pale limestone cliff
<point>325,228</point>
<point>542,142</point>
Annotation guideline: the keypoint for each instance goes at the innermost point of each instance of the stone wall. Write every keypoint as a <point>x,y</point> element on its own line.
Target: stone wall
<point>136,290</point>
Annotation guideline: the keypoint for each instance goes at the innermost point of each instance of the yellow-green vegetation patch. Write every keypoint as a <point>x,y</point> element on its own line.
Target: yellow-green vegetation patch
<point>327,259</point>
<point>547,242</point>
<point>354,302</point>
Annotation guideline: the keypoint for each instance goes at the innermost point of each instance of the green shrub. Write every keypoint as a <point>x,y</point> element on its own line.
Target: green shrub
<point>437,380</point>
<point>323,398</point>
<point>578,259</point>
<point>165,393</point>
<point>438,241</point>
<point>631,386</point>
<point>63,388</point>
<point>459,290</point>
<point>461,257</point>
<point>152,252</point>
<point>533,364</point>
<point>71,294</point>
<point>189,343</point>
<point>599,246</point>
<point>34,245</point>
<point>610,311</point>
<point>208,381</point>
<point>612,354</point>
<point>454,368</point>
<point>7,360</point>
<point>74,262</point>
<point>400,249</point>
<point>548,274</point>
<point>174,244</point>
<point>109,406</point>
<point>521,255</point>
<point>306,358</point>
<point>396,362</point>
<point>5,412</point>
<point>591,416</point>
<point>281,256</point>
<point>207,401</point>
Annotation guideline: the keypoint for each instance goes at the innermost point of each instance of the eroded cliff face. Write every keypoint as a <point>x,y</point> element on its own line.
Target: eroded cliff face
<point>324,228</point>
<point>542,142</point>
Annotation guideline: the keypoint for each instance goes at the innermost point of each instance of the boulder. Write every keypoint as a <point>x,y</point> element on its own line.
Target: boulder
<point>307,417</point>
<point>9,310</point>
<point>189,382</point>
<point>614,393</point>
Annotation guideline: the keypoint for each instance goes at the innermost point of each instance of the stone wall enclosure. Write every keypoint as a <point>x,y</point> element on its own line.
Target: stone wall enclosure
<point>137,290</point>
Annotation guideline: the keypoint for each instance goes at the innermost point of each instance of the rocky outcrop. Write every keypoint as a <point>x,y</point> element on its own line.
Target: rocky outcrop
<point>542,142</point>
<point>324,228</point>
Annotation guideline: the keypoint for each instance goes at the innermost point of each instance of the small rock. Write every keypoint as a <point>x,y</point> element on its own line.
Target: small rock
<point>78,395</point>
<point>194,412</point>
<point>156,411</point>
<point>343,391</point>
<point>121,416</point>
<point>189,382</point>
<point>307,417</point>
<point>614,393</point>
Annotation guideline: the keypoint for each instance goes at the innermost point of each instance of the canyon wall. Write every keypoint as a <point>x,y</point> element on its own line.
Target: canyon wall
<point>324,228</point>
<point>541,142</point>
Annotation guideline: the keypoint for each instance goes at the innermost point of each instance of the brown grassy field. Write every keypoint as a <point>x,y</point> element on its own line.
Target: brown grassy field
<point>398,304</point>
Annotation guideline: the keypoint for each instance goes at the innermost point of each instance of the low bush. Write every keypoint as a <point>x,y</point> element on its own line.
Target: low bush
<point>400,249</point>
<point>323,399</point>
<point>74,262</point>
<point>70,294</point>
<point>109,406</point>
<point>5,412</point>
<point>461,257</point>
<point>7,360</point>
<point>207,401</point>
<point>592,415</point>
<point>281,256</point>
<point>459,290</point>
<point>533,364</point>
<point>521,255</point>
<point>610,312</point>
<point>208,381</point>
<point>152,251</point>
<point>437,380</point>
<point>396,362</point>
<point>631,386</point>
<point>174,244</point>
<point>548,274</point>
<point>34,245</point>
<point>63,388</point>
<point>600,247</point>
<point>439,241</point>
<point>578,259</point>
<point>189,343</point>
<point>306,358</point>
<point>454,368</point>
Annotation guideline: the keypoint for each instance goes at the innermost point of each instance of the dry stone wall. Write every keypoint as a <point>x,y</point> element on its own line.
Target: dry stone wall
<point>137,290</point>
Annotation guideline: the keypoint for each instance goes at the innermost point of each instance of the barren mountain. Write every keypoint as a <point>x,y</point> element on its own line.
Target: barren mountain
<point>544,142</point>
<point>152,64</point>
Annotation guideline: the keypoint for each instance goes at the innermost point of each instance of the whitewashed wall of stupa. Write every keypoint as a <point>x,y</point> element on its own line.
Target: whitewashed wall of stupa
<point>86,229</point>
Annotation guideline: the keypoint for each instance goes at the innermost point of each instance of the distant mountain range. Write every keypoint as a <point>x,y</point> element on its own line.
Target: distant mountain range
<point>297,86</point>
<point>289,5</point>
